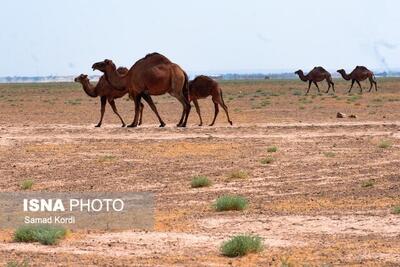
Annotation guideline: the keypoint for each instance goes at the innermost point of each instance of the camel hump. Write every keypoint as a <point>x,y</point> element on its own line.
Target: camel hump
<point>122,70</point>
<point>152,59</point>
<point>320,69</point>
<point>361,67</point>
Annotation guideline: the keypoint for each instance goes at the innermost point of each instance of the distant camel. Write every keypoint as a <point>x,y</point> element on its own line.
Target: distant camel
<point>360,73</point>
<point>317,74</point>
<point>106,93</point>
<point>202,87</point>
<point>152,75</point>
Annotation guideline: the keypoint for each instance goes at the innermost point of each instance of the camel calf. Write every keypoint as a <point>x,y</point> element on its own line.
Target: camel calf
<point>202,87</point>
<point>106,93</point>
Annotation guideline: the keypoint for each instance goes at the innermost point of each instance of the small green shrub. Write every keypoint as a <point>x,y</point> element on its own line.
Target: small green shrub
<point>329,154</point>
<point>267,160</point>
<point>27,184</point>
<point>238,175</point>
<point>200,181</point>
<point>24,263</point>
<point>44,234</point>
<point>396,210</point>
<point>272,149</point>
<point>241,245</point>
<point>368,183</point>
<point>107,158</point>
<point>384,144</point>
<point>227,202</point>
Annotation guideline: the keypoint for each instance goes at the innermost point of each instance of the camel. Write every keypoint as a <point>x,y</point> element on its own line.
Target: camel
<point>360,73</point>
<point>317,74</point>
<point>202,87</point>
<point>106,93</point>
<point>152,75</point>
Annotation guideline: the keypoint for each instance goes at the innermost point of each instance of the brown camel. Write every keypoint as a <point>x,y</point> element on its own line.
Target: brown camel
<point>202,87</point>
<point>360,73</point>
<point>106,93</point>
<point>317,74</point>
<point>152,75</point>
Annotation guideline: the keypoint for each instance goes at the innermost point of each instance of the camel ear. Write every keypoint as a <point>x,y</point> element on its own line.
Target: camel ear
<point>107,61</point>
<point>84,76</point>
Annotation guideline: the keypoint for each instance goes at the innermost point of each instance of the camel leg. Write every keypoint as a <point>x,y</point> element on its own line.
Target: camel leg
<point>372,82</point>
<point>182,118</point>
<point>196,104</point>
<point>153,107</point>
<point>330,83</point>
<point>186,111</point>
<point>359,86</point>
<point>309,85</point>
<point>103,101</point>
<point>136,99</point>
<point>112,104</point>
<point>329,86</point>
<point>216,110</point>
<point>317,86</point>
<point>141,114</point>
<point>220,100</point>
<point>351,87</point>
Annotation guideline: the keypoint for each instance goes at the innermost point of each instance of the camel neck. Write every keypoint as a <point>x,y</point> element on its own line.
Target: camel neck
<point>303,77</point>
<point>89,89</point>
<point>345,75</point>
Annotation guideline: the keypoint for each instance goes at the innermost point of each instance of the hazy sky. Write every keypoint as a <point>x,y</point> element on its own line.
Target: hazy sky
<point>63,37</point>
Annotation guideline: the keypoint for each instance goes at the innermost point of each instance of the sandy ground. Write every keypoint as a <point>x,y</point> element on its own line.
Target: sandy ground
<point>308,205</point>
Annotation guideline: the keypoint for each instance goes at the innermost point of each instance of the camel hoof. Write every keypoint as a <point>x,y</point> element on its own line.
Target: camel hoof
<point>182,126</point>
<point>123,125</point>
<point>200,124</point>
<point>231,123</point>
<point>162,125</point>
<point>212,124</point>
<point>131,126</point>
<point>97,126</point>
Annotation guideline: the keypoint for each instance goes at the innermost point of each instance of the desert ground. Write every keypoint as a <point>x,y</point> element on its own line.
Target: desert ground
<point>326,198</point>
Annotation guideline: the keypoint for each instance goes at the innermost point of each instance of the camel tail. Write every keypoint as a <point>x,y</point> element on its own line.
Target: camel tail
<point>185,89</point>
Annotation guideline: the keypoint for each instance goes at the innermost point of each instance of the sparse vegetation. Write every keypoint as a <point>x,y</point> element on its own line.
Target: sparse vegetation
<point>200,181</point>
<point>329,154</point>
<point>272,149</point>
<point>44,234</point>
<point>228,202</point>
<point>107,158</point>
<point>73,102</point>
<point>27,184</point>
<point>267,160</point>
<point>396,210</point>
<point>240,174</point>
<point>241,245</point>
<point>384,144</point>
<point>14,263</point>
<point>368,183</point>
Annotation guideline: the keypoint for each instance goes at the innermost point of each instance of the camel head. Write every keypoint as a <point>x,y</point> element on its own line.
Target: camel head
<point>81,78</point>
<point>341,71</point>
<point>298,72</point>
<point>103,66</point>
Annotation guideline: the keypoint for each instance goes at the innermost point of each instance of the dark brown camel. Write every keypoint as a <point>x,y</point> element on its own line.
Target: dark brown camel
<point>152,75</point>
<point>202,87</point>
<point>360,73</point>
<point>106,93</point>
<point>317,74</point>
